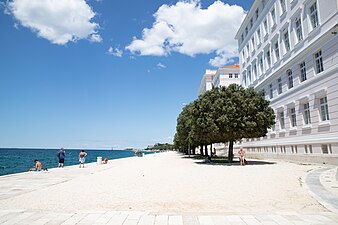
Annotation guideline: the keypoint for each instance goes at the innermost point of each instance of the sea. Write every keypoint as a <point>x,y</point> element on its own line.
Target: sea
<point>17,160</point>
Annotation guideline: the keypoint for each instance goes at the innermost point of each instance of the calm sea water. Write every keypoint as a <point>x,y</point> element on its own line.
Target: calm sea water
<point>20,160</point>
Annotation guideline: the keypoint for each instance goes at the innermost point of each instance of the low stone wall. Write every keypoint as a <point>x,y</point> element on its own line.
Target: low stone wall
<point>301,158</point>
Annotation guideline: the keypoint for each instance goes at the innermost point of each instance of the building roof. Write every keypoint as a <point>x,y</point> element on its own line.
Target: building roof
<point>231,66</point>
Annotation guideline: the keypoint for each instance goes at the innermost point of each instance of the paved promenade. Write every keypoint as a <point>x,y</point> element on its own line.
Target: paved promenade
<point>20,204</point>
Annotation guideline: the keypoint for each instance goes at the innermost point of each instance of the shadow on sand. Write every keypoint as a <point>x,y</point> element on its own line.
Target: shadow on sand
<point>223,161</point>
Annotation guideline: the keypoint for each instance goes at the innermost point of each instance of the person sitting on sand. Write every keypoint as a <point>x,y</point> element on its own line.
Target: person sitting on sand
<point>241,153</point>
<point>82,158</point>
<point>37,167</point>
<point>105,161</point>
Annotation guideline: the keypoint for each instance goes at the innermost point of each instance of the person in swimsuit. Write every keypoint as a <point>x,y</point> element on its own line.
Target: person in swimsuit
<point>37,167</point>
<point>105,161</point>
<point>241,153</point>
<point>82,158</point>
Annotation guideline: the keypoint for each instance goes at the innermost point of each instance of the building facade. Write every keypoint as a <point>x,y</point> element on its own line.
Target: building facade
<point>222,77</point>
<point>288,49</point>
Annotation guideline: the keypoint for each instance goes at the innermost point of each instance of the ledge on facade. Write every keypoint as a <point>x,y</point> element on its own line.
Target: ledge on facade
<point>307,127</point>
<point>266,37</point>
<point>314,32</point>
<point>324,124</point>
<point>282,17</point>
<point>293,3</point>
<point>273,28</point>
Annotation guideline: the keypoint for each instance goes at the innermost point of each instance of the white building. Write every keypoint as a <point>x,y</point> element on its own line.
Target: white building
<point>288,48</point>
<point>207,81</point>
<point>224,76</point>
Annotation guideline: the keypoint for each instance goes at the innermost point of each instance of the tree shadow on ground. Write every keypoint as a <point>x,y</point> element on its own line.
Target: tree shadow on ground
<point>223,161</point>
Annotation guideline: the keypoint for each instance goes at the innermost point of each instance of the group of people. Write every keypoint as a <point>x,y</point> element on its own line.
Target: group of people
<point>61,155</point>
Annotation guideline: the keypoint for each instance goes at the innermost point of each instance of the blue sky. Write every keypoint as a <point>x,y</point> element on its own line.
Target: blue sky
<point>101,73</point>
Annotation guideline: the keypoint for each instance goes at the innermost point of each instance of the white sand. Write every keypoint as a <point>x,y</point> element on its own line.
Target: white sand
<point>166,182</point>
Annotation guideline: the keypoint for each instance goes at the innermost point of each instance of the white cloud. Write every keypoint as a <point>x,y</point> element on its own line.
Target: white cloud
<point>115,52</point>
<point>58,21</point>
<point>160,66</point>
<point>95,38</point>
<point>189,29</point>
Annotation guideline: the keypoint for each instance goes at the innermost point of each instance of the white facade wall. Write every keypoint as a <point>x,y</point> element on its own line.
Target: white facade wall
<point>217,78</point>
<point>207,81</point>
<point>226,76</point>
<point>272,75</point>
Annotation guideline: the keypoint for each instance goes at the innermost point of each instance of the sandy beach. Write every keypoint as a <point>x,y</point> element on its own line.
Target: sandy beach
<point>169,182</point>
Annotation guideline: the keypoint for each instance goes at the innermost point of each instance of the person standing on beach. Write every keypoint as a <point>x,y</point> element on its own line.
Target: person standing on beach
<point>61,155</point>
<point>82,158</point>
<point>241,153</point>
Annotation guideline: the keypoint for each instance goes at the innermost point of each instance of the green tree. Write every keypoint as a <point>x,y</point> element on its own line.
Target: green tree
<point>183,136</point>
<point>203,126</point>
<point>241,113</point>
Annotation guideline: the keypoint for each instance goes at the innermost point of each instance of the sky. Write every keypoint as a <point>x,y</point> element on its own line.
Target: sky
<point>102,74</point>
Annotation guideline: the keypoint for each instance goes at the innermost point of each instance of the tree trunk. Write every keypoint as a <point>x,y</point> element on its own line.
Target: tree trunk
<point>231,151</point>
<point>211,153</point>
<point>194,150</point>
<point>206,150</point>
<point>201,150</point>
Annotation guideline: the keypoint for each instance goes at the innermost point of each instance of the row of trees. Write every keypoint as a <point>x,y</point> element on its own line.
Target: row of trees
<point>160,146</point>
<point>223,115</point>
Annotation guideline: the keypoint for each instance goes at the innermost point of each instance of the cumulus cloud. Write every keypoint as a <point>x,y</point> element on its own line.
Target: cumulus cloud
<point>189,29</point>
<point>95,38</point>
<point>58,21</point>
<point>115,52</point>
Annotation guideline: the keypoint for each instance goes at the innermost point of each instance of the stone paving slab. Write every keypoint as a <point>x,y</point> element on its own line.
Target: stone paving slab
<point>144,218</point>
<point>319,188</point>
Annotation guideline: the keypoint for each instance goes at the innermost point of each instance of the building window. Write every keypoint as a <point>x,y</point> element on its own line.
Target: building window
<point>302,72</point>
<point>230,75</point>
<point>308,149</point>
<point>261,64</point>
<point>307,117</point>
<point>259,35</point>
<point>299,32</point>
<point>236,75</point>
<point>251,23</point>
<point>248,50</point>
<point>246,30</point>
<point>249,76</point>
<point>268,58</point>
<point>253,42</point>
<point>273,16</point>
<point>282,6</point>
<point>257,13</point>
<point>281,120</point>
<point>326,149</point>
<point>319,61</point>
<point>244,79</point>
<point>265,23</point>
<point>254,69</point>
<point>286,41</point>
<point>276,48</point>
<point>314,15</point>
<point>290,78</point>
<point>293,117</point>
<point>271,91</point>
<point>324,109</point>
<point>242,37</point>
<point>280,85</point>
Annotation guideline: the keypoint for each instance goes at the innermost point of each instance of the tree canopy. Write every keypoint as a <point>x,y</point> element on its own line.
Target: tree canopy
<point>225,114</point>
